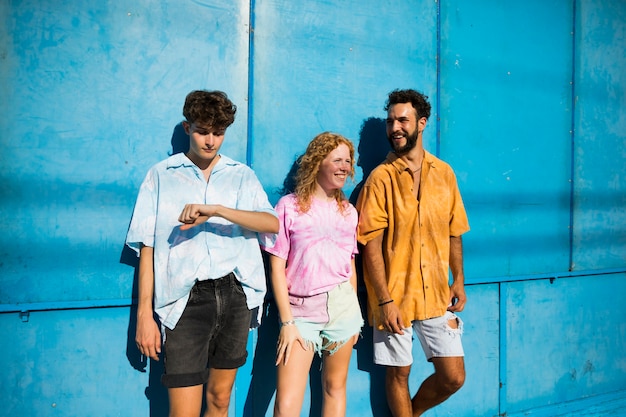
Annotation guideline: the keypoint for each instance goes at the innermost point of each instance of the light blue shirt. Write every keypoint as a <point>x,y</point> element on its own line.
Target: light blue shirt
<point>208,251</point>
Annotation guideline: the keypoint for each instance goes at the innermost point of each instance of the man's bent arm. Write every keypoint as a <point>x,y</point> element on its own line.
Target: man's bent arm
<point>257,221</point>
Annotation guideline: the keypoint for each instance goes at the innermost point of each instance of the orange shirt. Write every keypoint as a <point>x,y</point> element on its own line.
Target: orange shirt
<point>416,243</point>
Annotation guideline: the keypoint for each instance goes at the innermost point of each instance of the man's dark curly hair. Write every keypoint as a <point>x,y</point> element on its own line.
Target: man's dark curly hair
<point>209,108</point>
<point>418,100</point>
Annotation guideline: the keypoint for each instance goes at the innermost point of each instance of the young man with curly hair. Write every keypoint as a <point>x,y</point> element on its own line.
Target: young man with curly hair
<point>411,218</point>
<point>197,225</point>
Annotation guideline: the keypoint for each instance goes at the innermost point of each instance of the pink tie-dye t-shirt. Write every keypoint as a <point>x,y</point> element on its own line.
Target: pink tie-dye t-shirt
<point>318,245</point>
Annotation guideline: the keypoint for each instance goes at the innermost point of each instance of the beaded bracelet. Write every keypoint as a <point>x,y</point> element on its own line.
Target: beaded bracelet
<point>288,323</point>
<point>385,302</point>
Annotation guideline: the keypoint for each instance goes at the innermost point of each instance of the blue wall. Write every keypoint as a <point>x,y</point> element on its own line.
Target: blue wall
<point>529,102</point>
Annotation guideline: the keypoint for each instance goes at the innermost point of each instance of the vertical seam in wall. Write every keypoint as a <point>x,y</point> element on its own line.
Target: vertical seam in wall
<point>438,83</point>
<point>572,138</point>
<point>249,140</point>
<point>502,403</point>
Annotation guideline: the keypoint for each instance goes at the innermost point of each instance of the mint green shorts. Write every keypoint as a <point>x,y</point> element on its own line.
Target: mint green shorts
<point>344,321</point>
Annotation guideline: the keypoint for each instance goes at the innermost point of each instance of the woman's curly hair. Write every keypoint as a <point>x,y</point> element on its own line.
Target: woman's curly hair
<point>309,166</point>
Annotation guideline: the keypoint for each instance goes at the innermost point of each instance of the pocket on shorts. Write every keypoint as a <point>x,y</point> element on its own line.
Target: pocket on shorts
<point>313,308</point>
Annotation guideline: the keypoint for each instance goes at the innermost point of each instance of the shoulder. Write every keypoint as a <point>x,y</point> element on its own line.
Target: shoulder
<point>226,162</point>
<point>439,166</point>
<point>235,169</point>
<point>288,200</point>
<point>350,211</point>
<point>384,174</point>
<point>381,171</point>
<point>173,161</point>
<point>164,166</point>
<point>348,207</point>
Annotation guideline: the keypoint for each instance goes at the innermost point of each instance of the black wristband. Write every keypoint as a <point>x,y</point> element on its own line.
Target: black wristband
<point>385,302</point>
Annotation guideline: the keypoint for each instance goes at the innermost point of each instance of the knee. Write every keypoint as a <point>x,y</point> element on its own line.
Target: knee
<point>398,375</point>
<point>452,383</point>
<point>218,400</point>
<point>335,388</point>
<point>286,407</point>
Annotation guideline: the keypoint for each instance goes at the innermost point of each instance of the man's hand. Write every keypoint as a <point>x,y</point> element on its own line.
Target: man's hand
<point>195,214</point>
<point>457,295</point>
<point>391,318</point>
<point>148,337</point>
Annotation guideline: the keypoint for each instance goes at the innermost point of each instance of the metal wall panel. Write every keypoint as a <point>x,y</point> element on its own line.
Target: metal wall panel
<point>563,341</point>
<point>324,65</point>
<point>505,127</point>
<point>70,363</point>
<point>600,141</point>
<point>92,95</point>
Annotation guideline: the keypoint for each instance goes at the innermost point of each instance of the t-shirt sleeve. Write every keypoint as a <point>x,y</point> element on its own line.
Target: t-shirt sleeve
<point>282,243</point>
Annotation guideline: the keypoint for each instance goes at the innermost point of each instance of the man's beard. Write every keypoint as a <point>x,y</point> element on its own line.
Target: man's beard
<point>411,141</point>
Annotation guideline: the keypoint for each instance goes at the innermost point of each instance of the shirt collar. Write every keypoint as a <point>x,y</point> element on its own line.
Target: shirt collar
<point>399,164</point>
<point>181,160</point>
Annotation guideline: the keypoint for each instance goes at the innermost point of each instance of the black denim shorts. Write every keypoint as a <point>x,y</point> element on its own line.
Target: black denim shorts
<point>211,333</point>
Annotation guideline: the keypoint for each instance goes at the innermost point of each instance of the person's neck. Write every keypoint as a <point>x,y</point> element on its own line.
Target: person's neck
<point>323,195</point>
<point>205,165</point>
<point>414,158</point>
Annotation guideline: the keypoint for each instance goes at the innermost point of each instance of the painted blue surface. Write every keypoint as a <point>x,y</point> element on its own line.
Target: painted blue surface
<point>70,363</point>
<point>530,111</point>
<point>505,127</point>
<point>600,141</point>
<point>565,337</point>
<point>328,66</point>
<point>94,93</point>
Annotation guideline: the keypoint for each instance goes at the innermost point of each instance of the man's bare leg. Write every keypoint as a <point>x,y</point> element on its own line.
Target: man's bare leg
<point>397,386</point>
<point>218,390</point>
<point>185,401</point>
<point>449,376</point>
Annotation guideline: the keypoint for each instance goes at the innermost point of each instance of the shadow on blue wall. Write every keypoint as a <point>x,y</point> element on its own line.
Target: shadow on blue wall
<point>180,139</point>
<point>372,147</point>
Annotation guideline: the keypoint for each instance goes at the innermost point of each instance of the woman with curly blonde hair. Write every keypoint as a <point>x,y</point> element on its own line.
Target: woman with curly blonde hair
<point>313,277</point>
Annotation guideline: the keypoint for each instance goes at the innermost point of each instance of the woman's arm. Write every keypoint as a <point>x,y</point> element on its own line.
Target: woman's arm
<point>289,333</point>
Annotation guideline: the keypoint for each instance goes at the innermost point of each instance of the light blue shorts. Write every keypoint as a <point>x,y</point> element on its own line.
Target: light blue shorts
<point>438,340</point>
<point>345,321</point>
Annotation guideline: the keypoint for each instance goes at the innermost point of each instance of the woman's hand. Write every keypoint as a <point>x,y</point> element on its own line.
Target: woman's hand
<point>287,338</point>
